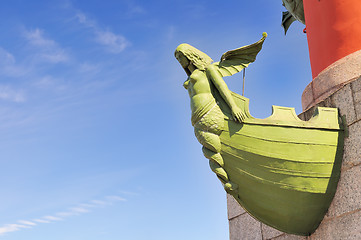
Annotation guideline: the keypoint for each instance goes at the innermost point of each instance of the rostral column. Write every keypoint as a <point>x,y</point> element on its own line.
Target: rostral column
<point>334,40</point>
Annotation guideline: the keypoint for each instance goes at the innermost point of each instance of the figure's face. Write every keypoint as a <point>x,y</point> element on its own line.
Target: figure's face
<point>182,60</point>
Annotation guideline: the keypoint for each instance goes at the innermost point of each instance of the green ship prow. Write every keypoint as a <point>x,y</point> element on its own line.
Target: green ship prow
<point>286,169</point>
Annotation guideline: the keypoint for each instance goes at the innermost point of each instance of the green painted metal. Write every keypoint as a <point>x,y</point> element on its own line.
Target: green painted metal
<point>282,170</point>
<point>295,12</point>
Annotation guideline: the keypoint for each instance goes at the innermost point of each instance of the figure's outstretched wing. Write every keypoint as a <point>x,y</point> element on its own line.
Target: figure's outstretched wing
<point>235,60</point>
<point>295,12</point>
<point>287,20</point>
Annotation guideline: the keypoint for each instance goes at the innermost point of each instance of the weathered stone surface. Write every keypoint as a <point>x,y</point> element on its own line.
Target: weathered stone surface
<point>233,207</point>
<point>356,89</point>
<point>326,103</point>
<point>307,96</point>
<point>348,194</point>
<point>289,237</point>
<point>346,227</point>
<point>331,79</point>
<point>245,227</point>
<point>269,232</point>
<point>358,110</point>
<point>357,96</point>
<point>343,100</point>
<point>356,85</point>
<point>352,149</point>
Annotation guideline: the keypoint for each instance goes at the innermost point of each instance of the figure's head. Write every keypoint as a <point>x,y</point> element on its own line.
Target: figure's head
<point>187,54</point>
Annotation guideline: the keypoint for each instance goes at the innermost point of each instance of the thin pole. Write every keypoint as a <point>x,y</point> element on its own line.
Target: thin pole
<point>244,77</point>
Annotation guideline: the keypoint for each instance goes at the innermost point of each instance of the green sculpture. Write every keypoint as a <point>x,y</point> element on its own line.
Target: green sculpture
<point>282,170</point>
<point>207,117</point>
<point>295,12</point>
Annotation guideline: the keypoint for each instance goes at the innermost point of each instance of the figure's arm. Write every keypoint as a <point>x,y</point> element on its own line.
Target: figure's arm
<point>216,78</point>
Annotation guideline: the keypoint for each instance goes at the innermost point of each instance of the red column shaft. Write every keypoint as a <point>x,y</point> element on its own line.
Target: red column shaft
<point>333,30</point>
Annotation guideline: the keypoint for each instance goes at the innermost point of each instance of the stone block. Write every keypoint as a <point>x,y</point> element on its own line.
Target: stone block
<point>352,148</point>
<point>358,110</point>
<point>307,96</point>
<point>348,194</point>
<point>290,237</point>
<point>244,227</point>
<point>269,232</point>
<point>356,89</point>
<point>357,97</point>
<point>233,207</point>
<point>343,100</point>
<point>356,85</point>
<point>327,103</point>
<point>346,227</point>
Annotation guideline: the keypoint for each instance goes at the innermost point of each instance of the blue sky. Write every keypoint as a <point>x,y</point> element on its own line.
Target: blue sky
<point>95,134</point>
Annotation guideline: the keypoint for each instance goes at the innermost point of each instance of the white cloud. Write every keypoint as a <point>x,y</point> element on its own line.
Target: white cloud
<point>114,43</point>
<point>52,218</point>
<point>85,20</point>
<point>8,66</point>
<point>47,49</point>
<point>79,210</point>
<point>74,211</point>
<point>41,220</point>
<point>36,37</point>
<point>6,58</point>
<point>55,57</point>
<point>8,94</point>
<point>26,222</point>
<point>11,228</point>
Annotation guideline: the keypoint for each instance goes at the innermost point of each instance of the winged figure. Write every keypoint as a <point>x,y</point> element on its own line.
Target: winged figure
<point>204,77</point>
<point>295,12</point>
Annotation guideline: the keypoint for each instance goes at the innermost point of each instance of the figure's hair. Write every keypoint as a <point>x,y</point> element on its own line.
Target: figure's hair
<point>199,59</point>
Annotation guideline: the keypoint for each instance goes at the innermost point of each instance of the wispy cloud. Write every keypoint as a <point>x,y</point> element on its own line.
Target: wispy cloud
<point>24,222</point>
<point>41,221</point>
<point>6,57</point>
<point>114,43</point>
<point>8,65</point>
<point>9,94</point>
<point>36,37</point>
<point>99,202</point>
<point>79,210</point>
<point>52,218</point>
<point>48,49</point>
<point>61,216</point>
<point>11,228</point>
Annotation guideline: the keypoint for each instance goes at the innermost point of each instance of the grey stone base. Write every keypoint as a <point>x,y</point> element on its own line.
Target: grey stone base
<point>343,219</point>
